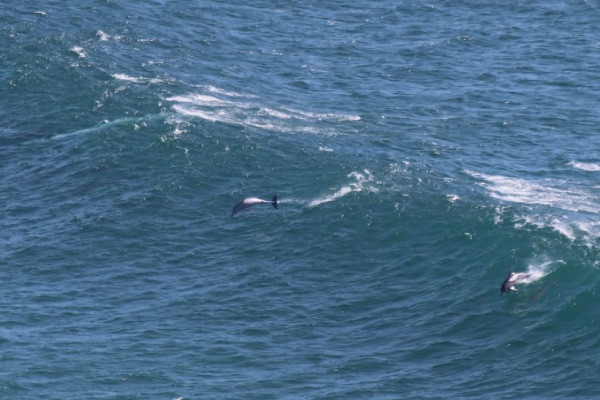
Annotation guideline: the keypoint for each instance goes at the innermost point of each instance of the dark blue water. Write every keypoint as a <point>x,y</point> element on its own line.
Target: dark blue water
<point>419,152</point>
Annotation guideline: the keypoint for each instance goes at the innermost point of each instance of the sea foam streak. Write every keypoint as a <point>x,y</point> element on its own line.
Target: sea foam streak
<point>565,207</point>
<point>547,193</point>
<point>585,166</point>
<point>249,110</point>
<point>361,182</point>
<point>125,77</point>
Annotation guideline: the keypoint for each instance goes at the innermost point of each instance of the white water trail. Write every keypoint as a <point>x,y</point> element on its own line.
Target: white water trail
<point>538,270</point>
<point>591,167</point>
<point>361,182</point>
<point>110,124</point>
<point>218,105</point>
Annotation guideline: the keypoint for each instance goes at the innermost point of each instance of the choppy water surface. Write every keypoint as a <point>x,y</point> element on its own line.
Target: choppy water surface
<point>419,152</point>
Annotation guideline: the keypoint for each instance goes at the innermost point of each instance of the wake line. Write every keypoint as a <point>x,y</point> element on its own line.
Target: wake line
<point>108,124</point>
<point>340,193</point>
<point>361,183</point>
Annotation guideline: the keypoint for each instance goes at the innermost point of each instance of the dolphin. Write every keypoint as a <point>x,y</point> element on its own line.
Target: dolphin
<point>511,280</point>
<point>252,201</point>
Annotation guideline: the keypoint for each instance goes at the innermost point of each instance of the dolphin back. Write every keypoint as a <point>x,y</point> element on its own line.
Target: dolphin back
<point>274,201</point>
<point>513,279</point>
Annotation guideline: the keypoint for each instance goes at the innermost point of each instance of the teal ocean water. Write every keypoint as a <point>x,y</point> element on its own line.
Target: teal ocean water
<point>419,150</point>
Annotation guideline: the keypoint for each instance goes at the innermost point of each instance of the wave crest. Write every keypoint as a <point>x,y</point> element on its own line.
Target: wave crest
<point>249,110</point>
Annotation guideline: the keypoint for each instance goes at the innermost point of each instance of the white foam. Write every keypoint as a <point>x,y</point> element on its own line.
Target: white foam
<point>538,270</point>
<point>546,193</point>
<point>125,77</point>
<point>591,228</point>
<point>213,89</point>
<point>212,117</point>
<point>592,167</point>
<point>103,36</point>
<point>564,206</point>
<point>563,227</point>
<point>276,113</point>
<point>318,116</point>
<point>361,182</point>
<point>198,99</point>
<point>79,51</point>
<point>249,110</point>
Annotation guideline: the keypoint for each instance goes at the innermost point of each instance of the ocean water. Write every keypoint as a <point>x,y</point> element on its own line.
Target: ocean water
<point>419,149</point>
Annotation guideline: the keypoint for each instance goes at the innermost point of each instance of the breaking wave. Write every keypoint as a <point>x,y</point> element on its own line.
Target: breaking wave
<point>569,208</point>
<point>218,105</point>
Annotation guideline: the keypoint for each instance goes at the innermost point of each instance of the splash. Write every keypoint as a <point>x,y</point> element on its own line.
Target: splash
<point>79,51</point>
<point>104,37</point>
<point>538,270</point>
<point>362,181</point>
